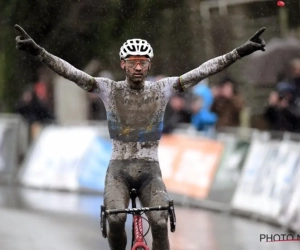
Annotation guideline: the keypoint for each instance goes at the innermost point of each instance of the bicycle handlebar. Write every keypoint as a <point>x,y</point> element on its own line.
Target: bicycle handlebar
<point>136,210</point>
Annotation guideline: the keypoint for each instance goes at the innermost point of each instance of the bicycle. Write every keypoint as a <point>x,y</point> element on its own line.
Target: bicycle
<point>138,238</point>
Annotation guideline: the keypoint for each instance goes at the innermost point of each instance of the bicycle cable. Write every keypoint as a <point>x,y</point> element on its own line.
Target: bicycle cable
<point>148,226</point>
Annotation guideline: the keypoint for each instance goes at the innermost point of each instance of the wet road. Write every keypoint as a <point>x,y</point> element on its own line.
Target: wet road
<point>44,220</point>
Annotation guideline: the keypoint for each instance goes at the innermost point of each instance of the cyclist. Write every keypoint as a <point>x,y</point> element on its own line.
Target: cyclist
<point>135,110</point>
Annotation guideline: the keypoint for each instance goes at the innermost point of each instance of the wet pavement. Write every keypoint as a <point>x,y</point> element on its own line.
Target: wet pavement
<point>47,220</point>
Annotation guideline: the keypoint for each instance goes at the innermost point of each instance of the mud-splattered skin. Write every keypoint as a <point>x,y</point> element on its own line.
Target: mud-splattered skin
<point>135,113</point>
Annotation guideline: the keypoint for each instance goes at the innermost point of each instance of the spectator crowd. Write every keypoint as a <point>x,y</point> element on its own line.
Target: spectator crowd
<point>283,110</point>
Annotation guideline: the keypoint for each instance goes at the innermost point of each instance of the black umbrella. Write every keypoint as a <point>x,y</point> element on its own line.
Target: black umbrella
<point>264,67</point>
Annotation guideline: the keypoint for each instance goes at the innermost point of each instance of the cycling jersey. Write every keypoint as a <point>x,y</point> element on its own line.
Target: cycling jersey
<point>135,117</point>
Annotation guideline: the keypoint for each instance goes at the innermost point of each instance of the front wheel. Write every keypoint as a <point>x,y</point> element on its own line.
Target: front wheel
<point>141,246</point>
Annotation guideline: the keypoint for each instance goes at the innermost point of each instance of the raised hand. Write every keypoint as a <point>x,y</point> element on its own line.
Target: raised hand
<point>253,44</point>
<point>26,43</point>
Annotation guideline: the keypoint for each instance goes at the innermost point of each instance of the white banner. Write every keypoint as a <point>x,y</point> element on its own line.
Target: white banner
<point>290,208</point>
<point>295,204</point>
<point>2,162</point>
<point>251,187</point>
<point>268,174</point>
<point>286,166</point>
<point>55,158</point>
<point>8,149</point>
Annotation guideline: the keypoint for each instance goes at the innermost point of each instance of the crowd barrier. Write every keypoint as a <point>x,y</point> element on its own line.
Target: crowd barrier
<point>244,171</point>
<point>13,144</point>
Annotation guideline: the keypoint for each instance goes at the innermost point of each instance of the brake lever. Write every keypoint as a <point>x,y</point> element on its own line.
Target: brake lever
<point>172,216</point>
<point>103,221</point>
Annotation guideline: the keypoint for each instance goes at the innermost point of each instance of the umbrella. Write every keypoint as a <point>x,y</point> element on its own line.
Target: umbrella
<point>264,67</point>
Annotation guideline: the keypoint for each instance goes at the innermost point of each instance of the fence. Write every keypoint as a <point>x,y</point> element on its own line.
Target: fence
<point>13,144</point>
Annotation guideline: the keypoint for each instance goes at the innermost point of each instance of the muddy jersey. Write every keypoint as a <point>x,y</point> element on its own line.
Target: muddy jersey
<point>135,117</point>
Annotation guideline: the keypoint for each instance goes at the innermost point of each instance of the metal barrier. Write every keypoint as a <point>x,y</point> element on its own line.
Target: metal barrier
<point>13,144</point>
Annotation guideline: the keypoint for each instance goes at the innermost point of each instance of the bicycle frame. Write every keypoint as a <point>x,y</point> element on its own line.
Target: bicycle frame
<point>138,241</point>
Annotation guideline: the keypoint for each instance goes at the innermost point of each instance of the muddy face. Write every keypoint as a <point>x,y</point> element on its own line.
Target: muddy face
<point>136,70</point>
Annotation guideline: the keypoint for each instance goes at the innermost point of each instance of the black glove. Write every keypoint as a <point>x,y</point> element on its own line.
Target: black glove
<point>253,44</point>
<point>26,43</point>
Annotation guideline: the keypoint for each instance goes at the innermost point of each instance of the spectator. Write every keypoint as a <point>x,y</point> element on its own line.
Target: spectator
<point>177,111</point>
<point>202,117</point>
<point>227,105</point>
<point>283,110</point>
<point>278,113</point>
<point>34,110</point>
<point>294,87</point>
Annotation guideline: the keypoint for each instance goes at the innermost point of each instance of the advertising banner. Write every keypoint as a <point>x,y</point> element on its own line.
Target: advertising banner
<point>93,166</point>
<point>76,158</point>
<point>275,178</point>
<point>2,131</point>
<point>8,150</point>
<point>295,214</point>
<point>251,184</point>
<point>286,166</point>
<point>189,164</point>
<point>55,159</point>
<point>268,174</point>
<point>289,215</point>
<point>230,168</point>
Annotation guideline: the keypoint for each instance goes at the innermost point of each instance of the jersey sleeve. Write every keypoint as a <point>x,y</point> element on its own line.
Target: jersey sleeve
<point>66,70</point>
<point>169,86</point>
<point>207,69</point>
<point>103,88</point>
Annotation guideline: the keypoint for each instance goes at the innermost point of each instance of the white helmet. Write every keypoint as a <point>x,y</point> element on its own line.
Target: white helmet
<point>136,47</point>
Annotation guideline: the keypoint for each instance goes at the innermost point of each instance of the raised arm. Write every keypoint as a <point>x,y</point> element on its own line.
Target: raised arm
<point>218,64</point>
<point>26,43</point>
